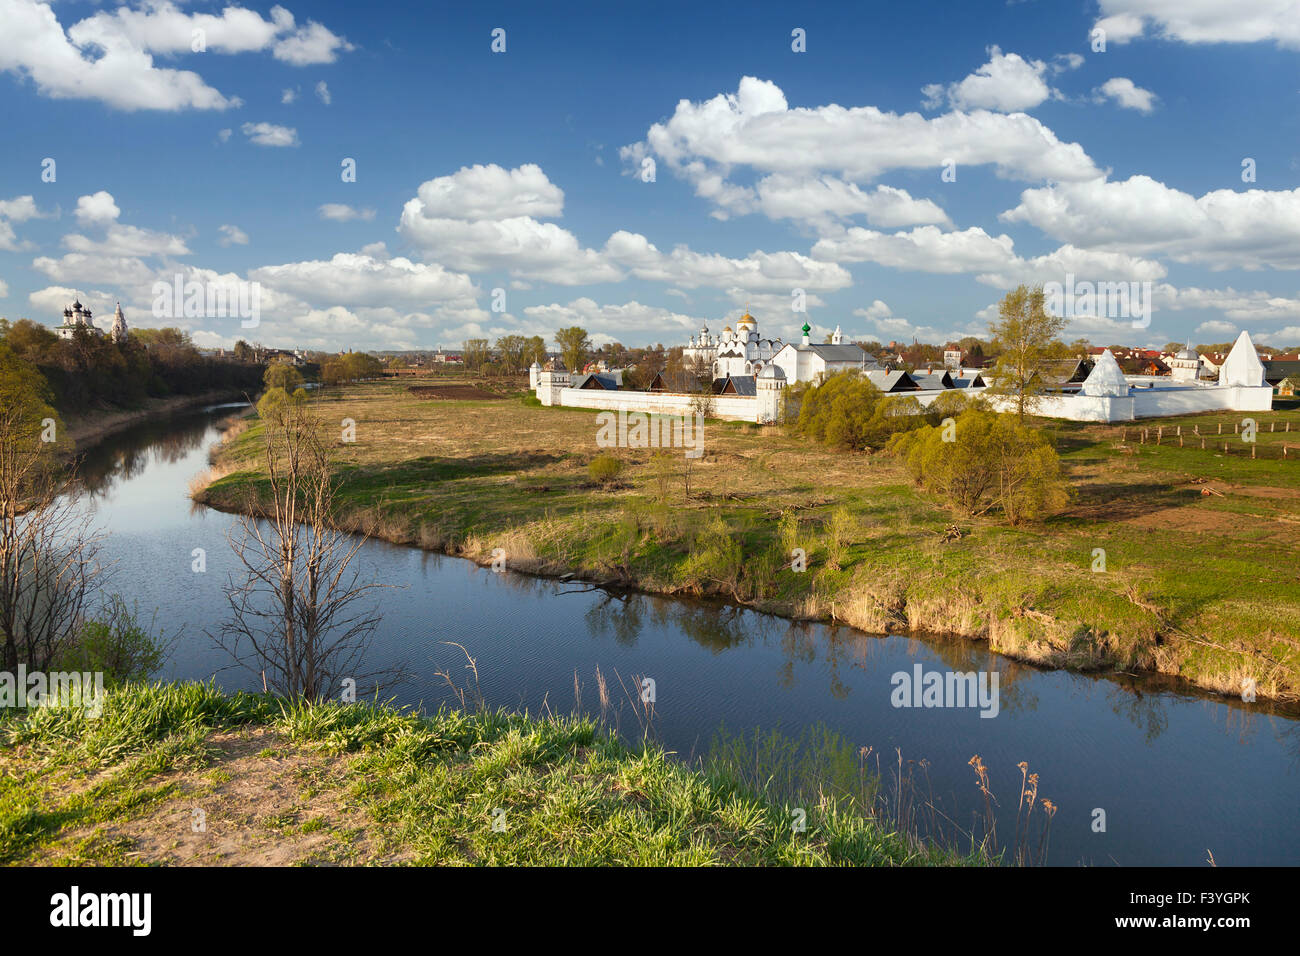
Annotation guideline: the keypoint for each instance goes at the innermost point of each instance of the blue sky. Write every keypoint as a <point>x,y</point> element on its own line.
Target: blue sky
<point>774,170</point>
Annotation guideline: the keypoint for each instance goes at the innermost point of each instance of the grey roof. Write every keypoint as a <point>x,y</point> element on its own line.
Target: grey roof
<point>933,381</point>
<point>596,380</point>
<point>743,384</point>
<point>895,381</point>
<point>837,353</point>
<point>1275,370</point>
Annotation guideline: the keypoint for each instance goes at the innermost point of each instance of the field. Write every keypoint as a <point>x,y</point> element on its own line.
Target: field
<point>1169,558</point>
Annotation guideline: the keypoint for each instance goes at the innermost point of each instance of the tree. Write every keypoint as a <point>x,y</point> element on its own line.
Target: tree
<point>979,461</point>
<point>1025,333</point>
<point>474,353</point>
<point>47,551</point>
<point>296,615</point>
<point>574,346</point>
<point>281,375</point>
<point>511,349</point>
<point>535,351</point>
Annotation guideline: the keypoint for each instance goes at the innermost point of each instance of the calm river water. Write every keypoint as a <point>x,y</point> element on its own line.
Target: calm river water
<point>1177,773</point>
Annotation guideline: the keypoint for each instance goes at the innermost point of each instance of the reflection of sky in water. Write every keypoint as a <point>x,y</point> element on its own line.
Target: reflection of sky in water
<point>1176,774</point>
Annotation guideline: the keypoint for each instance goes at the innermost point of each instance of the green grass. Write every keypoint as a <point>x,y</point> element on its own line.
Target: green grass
<point>560,790</point>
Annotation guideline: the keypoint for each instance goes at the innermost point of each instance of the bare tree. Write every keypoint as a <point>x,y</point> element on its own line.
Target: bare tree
<point>299,614</point>
<point>48,551</point>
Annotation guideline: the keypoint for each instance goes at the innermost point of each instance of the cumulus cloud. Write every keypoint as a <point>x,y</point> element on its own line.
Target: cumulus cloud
<point>361,280</point>
<point>1202,21</point>
<point>756,128</point>
<point>1128,95</point>
<point>323,93</point>
<point>1222,229</point>
<point>1007,83</point>
<point>269,134</point>
<point>109,55</point>
<point>18,209</point>
<point>232,236</point>
<point>288,95</point>
<point>97,209</point>
<point>491,192</point>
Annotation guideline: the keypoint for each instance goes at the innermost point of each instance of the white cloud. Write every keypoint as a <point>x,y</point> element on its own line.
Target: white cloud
<point>1217,329</point>
<point>288,95</point>
<point>224,135</point>
<point>1007,83</point>
<point>323,92</point>
<point>341,212</point>
<point>1128,95</point>
<point>757,272</point>
<point>755,127</point>
<point>97,209</point>
<point>18,209</point>
<point>268,134</point>
<point>109,56</point>
<point>491,192</point>
<point>232,236</point>
<point>924,249</point>
<point>1203,21</point>
<point>353,280</point>
<point>1222,229</point>
<point>310,44</point>
<point>123,240</point>
<point>646,322</point>
<point>822,200</point>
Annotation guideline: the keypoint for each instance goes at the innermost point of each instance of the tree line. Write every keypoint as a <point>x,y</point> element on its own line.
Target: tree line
<point>91,371</point>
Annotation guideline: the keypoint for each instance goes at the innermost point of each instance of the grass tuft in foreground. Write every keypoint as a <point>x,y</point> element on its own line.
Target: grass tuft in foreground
<point>281,782</point>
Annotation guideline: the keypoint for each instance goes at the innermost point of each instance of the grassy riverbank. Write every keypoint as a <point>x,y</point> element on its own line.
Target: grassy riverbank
<point>1205,586</point>
<point>183,774</point>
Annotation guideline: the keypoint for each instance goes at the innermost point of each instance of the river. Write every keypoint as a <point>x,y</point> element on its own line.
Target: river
<point>1178,774</point>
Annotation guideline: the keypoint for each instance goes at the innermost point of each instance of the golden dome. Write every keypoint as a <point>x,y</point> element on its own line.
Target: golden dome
<point>746,319</point>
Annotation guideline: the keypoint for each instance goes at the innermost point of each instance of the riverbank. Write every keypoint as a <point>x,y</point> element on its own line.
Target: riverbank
<point>94,427</point>
<point>1144,572</point>
<point>182,774</point>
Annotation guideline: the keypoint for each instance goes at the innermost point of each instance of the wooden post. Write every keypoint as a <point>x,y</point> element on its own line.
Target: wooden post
<point>1180,441</point>
<point>1202,444</point>
<point>1196,429</point>
<point>1234,428</point>
<point>1180,431</point>
<point>1252,451</point>
<point>1270,425</point>
<point>1220,428</point>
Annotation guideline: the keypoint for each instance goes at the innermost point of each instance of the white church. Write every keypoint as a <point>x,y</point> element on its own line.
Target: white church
<point>77,317</point>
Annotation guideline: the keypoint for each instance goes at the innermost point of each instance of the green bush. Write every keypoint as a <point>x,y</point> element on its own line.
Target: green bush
<point>605,469</point>
<point>980,461</point>
<point>116,644</point>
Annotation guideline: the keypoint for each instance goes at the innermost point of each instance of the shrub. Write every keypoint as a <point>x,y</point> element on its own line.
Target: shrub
<point>116,644</point>
<point>990,462</point>
<point>604,469</point>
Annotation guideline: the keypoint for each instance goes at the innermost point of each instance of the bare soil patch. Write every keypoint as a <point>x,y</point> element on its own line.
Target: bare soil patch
<point>260,801</point>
